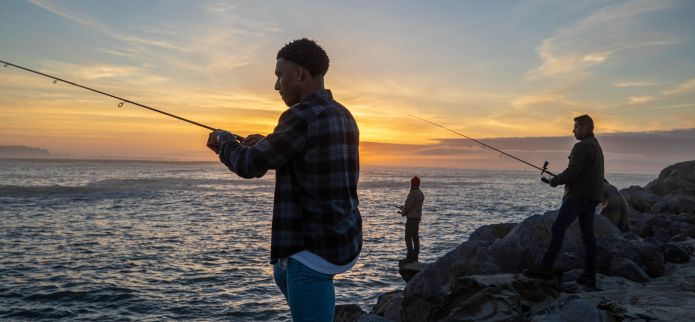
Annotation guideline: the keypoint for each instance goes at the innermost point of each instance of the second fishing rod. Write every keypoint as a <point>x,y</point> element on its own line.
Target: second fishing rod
<point>544,169</point>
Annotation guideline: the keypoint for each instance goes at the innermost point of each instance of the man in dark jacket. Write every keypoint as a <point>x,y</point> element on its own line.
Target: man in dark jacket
<point>583,180</point>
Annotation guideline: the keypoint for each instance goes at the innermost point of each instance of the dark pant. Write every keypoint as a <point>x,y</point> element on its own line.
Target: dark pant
<point>412,239</point>
<point>569,211</point>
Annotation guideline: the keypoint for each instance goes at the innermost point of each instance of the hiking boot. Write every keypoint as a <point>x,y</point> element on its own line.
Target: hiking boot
<point>587,279</point>
<point>539,272</point>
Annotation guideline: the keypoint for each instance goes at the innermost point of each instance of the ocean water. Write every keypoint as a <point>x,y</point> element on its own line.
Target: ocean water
<point>132,240</point>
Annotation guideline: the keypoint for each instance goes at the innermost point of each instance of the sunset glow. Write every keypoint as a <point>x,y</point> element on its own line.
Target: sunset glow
<point>488,69</point>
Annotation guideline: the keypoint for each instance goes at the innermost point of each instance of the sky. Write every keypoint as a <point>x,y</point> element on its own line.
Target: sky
<point>511,73</point>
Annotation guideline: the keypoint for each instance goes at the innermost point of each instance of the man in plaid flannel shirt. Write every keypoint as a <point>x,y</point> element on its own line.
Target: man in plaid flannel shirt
<point>317,227</point>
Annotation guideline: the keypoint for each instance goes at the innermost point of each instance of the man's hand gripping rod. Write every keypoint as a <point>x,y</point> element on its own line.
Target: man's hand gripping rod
<point>544,171</point>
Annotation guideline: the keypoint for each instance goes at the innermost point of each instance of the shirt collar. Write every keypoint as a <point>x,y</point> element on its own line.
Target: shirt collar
<point>319,94</point>
<point>589,136</point>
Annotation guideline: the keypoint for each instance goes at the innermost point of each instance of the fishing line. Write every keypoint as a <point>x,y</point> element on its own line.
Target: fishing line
<point>122,100</point>
<point>544,169</point>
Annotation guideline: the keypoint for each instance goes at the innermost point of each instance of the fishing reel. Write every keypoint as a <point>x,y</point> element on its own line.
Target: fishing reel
<point>544,171</point>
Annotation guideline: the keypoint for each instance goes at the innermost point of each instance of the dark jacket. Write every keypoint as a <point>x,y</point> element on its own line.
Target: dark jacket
<point>583,178</point>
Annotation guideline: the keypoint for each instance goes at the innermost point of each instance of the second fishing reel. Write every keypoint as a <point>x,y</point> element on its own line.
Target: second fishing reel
<point>545,171</point>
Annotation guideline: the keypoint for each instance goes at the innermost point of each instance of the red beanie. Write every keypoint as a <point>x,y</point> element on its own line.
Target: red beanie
<point>415,181</point>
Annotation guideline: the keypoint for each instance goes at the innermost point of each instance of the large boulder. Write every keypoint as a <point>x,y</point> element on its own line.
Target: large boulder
<point>492,232</point>
<point>436,282</point>
<point>665,226</point>
<point>676,203</point>
<point>644,253</point>
<point>621,266</point>
<point>665,208</point>
<point>526,243</point>
<point>389,305</point>
<point>672,192</point>
<point>678,178</point>
<point>640,199</point>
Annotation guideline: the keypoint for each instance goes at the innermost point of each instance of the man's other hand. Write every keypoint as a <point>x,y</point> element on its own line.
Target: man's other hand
<point>550,181</point>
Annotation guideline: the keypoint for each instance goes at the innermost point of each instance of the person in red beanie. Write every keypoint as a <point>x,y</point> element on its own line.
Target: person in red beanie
<point>412,210</point>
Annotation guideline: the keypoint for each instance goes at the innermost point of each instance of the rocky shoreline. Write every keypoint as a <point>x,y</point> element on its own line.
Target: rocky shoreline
<point>645,273</point>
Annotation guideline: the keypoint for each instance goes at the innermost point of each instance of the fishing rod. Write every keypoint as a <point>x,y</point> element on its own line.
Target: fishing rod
<point>122,100</point>
<point>544,169</point>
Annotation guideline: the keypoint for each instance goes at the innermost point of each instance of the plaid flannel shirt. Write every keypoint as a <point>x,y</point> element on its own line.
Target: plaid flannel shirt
<point>314,150</point>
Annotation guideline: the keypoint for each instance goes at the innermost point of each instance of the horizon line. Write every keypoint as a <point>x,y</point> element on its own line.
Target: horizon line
<point>116,160</point>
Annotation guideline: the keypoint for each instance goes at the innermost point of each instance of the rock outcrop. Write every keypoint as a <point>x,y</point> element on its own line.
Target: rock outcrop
<point>665,208</point>
<point>389,305</point>
<point>500,297</point>
<point>638,280</point>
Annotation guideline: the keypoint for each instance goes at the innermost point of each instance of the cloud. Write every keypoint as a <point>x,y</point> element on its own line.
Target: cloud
<point>573,50</point>
<point>664,107</point>
<point>450,150</point>
<point>628,151</point>
<point>103,71</point>
<point>72,16</point>
<point>617,36</point>
<point>226,13</point>
<point>556,65</point>
<point>90,23</point>
<point>640,99</point>
<point>633,84</point>
<point>225,39</point>
<point>684,87</point>
<point>116,73</point>
<point>537,99</point>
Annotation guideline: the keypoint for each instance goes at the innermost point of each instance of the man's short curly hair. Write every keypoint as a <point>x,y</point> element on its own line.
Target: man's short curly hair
<point>585,121</point>
<point>306,53</point>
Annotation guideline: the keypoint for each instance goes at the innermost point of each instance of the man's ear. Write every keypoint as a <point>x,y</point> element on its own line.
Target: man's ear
<point>299,72</point>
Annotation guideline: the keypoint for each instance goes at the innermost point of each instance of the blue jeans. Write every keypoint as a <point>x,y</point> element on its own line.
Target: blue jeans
<point>309,294</point>
<point>569,211</point>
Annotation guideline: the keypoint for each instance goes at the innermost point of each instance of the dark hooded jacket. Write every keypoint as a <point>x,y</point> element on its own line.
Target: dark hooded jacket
<point>583,178</point>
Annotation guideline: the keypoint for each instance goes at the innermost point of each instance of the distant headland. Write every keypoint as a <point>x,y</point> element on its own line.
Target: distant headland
<point>22,151</point>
